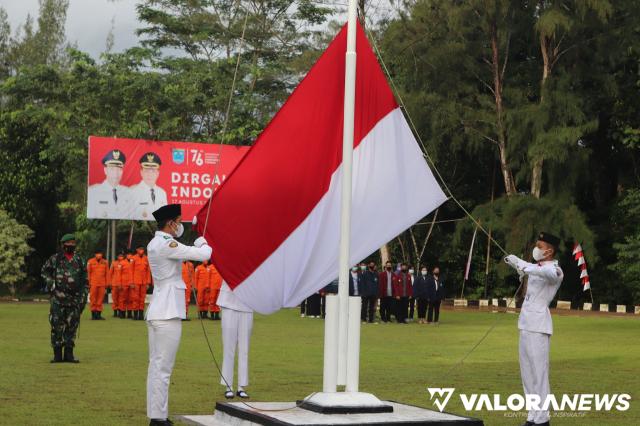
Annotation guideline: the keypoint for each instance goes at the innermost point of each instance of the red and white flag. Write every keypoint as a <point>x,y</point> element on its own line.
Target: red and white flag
<point>274,224</point>
<point>578,255</point>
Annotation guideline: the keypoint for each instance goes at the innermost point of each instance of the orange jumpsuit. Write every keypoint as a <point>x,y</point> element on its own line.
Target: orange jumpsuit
<point>98,277</point>
<point>188,276</point>
<point>203,287</point>
<point>141,279</point>
<point>215,282</point>
<point>127,283</point>
<point>115,281</point>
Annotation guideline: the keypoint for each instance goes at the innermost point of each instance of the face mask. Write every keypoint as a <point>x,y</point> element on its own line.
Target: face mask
<point>538,254</point>
<point>179,230</point>
<point>363,268</point>
<point>354,269</point>
<point>424,272</point>
<point>69,249</point>
<point>411,271</point>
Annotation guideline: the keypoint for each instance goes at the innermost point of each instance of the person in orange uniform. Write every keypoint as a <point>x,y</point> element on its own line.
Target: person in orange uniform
<point>141,279</point>
<point>188,276</point>
<point>126,302</point>
<point>98,277</point>
<point>115,282</point>
<point>215,282</point>
<point>203,287</point>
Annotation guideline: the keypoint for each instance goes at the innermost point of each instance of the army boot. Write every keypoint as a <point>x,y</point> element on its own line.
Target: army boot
<point>57,355</point>
<point>68,355</point>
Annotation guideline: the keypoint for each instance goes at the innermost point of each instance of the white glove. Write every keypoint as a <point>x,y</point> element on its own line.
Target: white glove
<point>199,242</point>
<point>512,261</point>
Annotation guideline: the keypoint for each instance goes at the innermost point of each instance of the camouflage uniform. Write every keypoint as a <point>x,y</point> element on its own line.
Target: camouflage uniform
<point>67,283</point>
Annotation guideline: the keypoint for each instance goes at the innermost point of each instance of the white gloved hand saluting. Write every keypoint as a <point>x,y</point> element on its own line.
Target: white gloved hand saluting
<point>200,241</point>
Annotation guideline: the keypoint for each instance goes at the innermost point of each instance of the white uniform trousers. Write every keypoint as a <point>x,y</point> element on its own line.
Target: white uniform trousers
<point>236,332</point>
<point>534,369</point>
<point>164,340</point>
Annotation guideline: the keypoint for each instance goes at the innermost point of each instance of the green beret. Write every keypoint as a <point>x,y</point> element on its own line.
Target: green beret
<point>67,237</point>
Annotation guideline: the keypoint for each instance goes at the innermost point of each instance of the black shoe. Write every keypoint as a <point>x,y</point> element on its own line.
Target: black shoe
<point>93,315</point>
<point>57,355</point>
<point>528,423</point>
<point>213,316</point>
<point>228,394</point>
<point>203,314</point>
<point>140,315</point>
<point>242,394</point>
<point>68,355</point>
<point>160,422</point>
<point>121,314</point>
<point>130,314</point>
<point>99,316</point>
<point>217,316</point>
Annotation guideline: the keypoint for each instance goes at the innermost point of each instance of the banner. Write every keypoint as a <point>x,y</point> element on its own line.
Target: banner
<point>131,178</point>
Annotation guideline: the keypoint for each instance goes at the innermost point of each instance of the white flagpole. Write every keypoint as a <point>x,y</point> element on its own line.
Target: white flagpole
<point>345,217</point>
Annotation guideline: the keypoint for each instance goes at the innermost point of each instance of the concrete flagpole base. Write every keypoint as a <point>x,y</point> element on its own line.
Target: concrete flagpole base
<point>344,403</point>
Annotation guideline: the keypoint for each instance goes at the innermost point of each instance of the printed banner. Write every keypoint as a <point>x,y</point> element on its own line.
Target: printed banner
<point>131,178</point>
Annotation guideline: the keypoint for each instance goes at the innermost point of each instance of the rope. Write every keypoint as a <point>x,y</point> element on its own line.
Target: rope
<point>448,190</point>
<point>227,112</point>
<point>424,148</point>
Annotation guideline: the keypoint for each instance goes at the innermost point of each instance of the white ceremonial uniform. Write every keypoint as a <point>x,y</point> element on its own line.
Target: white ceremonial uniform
<point>536,328</point>
<point>164,315</point>
<point>237,324</point>
<point>146,200</point>
<point>107,202</point>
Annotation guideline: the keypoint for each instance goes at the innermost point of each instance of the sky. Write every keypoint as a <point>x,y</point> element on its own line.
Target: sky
<point>88,22</point>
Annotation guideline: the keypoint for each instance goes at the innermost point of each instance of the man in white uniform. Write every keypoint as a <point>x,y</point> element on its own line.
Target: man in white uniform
<point>237,323</point>
<point>167,307</point>
<point>147,196</point>
<point>534,323</point>
<point>109,199</point>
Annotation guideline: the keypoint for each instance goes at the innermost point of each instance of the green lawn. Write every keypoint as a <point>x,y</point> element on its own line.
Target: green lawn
<point>589,355</point>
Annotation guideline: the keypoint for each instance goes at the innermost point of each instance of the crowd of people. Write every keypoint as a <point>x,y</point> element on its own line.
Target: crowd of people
<point>129,279</point>
<point>398,293</point>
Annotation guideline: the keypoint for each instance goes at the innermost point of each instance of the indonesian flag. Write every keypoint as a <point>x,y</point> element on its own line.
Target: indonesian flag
<point>578,255</point>
<point>274,223</point>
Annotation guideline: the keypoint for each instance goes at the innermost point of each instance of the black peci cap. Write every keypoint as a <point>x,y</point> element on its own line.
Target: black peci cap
<point>170,211</point>
<point>549,238</point>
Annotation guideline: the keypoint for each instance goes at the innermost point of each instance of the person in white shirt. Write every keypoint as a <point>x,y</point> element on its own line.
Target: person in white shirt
<point>146,195</point>
<point>167,308</point>
<point>237,324</point>
<point>109,199</point>
<point>534,323</point>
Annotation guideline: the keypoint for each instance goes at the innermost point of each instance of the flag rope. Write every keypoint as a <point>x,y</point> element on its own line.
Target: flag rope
<point>425,153</point>
<point>473,219</point>
<point>227,112</point>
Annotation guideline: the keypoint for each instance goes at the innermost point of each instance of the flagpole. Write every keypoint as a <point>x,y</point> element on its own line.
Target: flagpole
<point>345,215</point>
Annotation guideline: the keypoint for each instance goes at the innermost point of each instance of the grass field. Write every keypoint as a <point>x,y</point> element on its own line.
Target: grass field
<point>589,355</point>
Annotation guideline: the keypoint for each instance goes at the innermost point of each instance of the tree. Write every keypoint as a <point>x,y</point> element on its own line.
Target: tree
<point>559,30</point>
<point>14,247</point>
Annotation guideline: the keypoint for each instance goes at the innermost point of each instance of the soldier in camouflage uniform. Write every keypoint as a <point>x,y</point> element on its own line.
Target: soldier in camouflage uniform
<point>66,278</point>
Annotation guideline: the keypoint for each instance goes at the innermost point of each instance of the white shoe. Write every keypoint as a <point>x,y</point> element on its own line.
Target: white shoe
<point>302,315</point>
